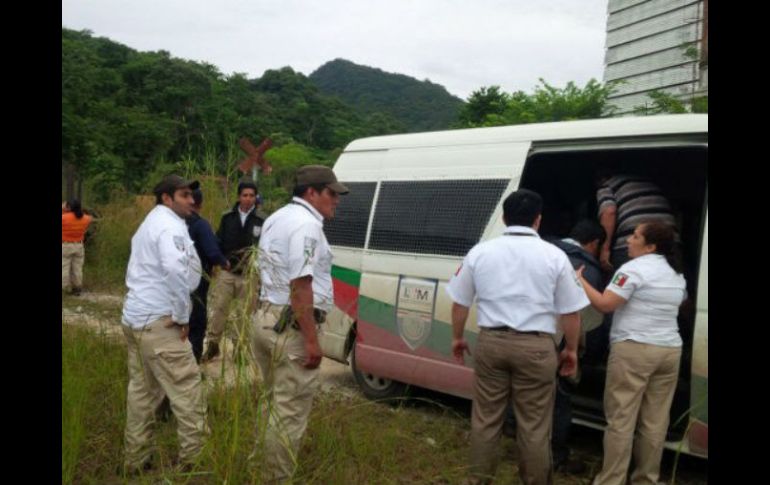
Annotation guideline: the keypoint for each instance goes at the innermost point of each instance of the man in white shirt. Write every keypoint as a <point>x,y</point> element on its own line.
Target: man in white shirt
<point>295,268</point>
<point>162,272</point>
<point>523,286</point>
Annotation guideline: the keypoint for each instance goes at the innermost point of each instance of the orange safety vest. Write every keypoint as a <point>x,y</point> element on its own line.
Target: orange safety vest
<point>73,229</point>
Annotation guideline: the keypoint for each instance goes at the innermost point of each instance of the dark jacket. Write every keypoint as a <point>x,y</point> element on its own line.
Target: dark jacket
<point>579,257</point>
<point>206,243</point>
<point>234,240</point>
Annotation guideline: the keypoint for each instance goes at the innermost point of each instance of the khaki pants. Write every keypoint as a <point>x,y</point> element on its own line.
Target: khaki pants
<point>226,287</point>
<point>160,363</point>
<point>72,256</point>
<point>289,391</point>
<point>641,380</point>
<point>521,366</point>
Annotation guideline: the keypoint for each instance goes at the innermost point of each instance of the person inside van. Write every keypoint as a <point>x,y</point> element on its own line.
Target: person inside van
<point>645,350</point>
<point>623,201</point>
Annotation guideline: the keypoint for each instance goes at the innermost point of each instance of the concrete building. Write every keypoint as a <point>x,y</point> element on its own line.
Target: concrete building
<point>656,45</point>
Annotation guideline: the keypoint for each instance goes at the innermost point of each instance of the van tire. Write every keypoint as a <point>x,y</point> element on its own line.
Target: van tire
<point>375,387</point>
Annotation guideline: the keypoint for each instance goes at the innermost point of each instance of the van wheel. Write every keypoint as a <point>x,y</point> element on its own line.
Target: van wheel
<point>375,387</point>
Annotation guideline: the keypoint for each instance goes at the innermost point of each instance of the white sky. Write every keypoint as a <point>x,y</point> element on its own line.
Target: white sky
<point>462,45</point>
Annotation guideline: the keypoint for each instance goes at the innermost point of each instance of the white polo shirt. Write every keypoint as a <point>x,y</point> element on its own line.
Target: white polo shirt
<point>518,280</point>
<point>294,245</point>
<point>653,291</point>
<point>162,271</point>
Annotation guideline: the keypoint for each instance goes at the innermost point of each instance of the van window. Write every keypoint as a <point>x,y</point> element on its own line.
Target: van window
<point>348,227</point>
<point>434,217</point>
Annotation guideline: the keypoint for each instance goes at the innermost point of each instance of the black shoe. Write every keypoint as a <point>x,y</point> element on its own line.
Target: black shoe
<point>211,351</point>
<point>76,291</point>
<point>571,467</point>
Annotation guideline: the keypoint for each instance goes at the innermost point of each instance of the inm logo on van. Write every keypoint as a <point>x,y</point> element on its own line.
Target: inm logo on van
<point>415,307</point>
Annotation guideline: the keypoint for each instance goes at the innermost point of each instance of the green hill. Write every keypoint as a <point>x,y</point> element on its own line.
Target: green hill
<point>419,105</point>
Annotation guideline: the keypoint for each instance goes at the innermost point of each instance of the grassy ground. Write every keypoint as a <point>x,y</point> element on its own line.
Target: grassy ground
<point>349,439</point>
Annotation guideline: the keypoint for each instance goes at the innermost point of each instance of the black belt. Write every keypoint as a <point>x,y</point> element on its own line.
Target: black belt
<point>511,329</point>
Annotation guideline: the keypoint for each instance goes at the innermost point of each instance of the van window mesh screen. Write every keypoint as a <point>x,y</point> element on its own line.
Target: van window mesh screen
<point>433,217</point>
<point>348,227</point>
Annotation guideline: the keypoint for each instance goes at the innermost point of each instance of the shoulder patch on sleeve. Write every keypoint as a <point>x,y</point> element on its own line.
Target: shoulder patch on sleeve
<point>310,245</point>
<point>620,279</point>
<point>179,243</point>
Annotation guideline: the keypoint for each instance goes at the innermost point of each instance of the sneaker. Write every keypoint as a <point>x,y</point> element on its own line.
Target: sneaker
<point>212,350</point>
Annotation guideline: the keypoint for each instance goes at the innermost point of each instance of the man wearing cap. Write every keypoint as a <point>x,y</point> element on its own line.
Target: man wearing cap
<point>238,234</point>
<point>523,286</point>
<point>162,272</point>
<point>207,247</point>
<point>295,269</point>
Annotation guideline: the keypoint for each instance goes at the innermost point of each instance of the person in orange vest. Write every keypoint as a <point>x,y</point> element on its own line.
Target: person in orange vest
<point>74,224</point>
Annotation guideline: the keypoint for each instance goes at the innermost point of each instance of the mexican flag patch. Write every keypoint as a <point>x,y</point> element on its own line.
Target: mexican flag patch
<point>620,279</point>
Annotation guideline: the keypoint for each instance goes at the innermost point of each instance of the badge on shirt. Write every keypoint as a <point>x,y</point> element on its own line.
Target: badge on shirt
<point>257,231</point>
<point>620,279</point>
<point>179,243</point>
<point>310,245</point>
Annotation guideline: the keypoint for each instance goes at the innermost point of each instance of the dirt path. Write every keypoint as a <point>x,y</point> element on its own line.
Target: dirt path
<point>101,312</point>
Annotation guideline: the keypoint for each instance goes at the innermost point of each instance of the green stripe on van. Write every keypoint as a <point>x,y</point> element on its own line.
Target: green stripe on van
<point>699,398</point>
<point>349,276</point>
<point>383,315</point>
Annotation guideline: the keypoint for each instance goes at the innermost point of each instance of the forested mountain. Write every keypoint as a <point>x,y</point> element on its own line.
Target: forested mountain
<point>125,113</point>
<point>419,105</point>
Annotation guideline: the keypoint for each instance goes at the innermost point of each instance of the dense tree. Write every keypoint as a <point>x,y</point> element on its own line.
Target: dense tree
<point>414,105</point>
<point>127,114</point>
<point>490,107</point>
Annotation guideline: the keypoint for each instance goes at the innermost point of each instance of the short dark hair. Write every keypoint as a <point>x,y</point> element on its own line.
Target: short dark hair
<point>522,207</point>
<point>588,230</point>
<point>197,197</point>
<point>299,190</point>
<point>247,183</point>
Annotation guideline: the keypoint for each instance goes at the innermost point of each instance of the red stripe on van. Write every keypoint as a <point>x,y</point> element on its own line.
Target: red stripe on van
<point>346,297</point>
<point>386,355</point>
<point>699,438</point>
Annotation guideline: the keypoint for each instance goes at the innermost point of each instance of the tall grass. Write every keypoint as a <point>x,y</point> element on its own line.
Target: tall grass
<point>349,439</point>
<point>94,380</point>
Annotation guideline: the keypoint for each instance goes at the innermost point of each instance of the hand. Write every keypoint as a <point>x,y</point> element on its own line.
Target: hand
<point>568,363</point>
<point>579,271</point>
<point>313,354</point>
<point>184,330</point>
<point>459,347</point>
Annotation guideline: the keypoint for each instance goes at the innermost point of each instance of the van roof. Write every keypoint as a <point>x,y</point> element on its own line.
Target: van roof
<point>563,130</point>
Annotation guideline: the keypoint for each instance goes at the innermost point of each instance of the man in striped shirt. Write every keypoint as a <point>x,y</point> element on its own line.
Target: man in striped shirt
<point>624,201</point>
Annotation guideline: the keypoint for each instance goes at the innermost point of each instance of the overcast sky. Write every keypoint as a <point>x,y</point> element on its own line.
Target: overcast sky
<point>462,45</point>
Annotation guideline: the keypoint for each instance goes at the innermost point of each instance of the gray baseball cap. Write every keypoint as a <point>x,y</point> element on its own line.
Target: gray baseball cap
<point>319,174</point>
<point>172,183</point>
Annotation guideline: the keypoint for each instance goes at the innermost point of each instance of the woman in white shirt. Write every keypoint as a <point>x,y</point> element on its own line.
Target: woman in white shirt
<point>645,350</point>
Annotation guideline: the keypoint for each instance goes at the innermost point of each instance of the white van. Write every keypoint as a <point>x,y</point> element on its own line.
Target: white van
<point>419,202</point>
